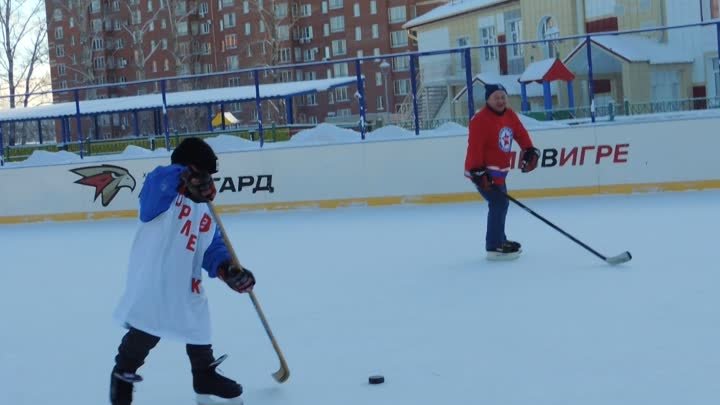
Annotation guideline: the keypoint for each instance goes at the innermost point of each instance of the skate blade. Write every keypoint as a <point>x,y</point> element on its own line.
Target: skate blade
<point>204,399</point>
<point>498,257</point>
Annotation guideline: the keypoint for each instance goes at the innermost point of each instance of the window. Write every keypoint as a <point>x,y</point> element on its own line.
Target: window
<point>98,44</point>
<point>397,14</point>
<point>61,69</point>
<point>59,33</point>
<point>311,99</point>
<point>97,25</point>
<point>373,7</point>
<point>489,37</point>
<point>326,30</point>
<point>164,43</point>
<point>59,51</point>
<point>284,55</point>
<point>341,93</point>
<point>233,62</point>
<point>262,25</point>
<point>516,51</point>
<point>154,67</point>
<point>402,87</point>
<point>358,33</point>
<point>246,7</point>
<point>99,62</point>
<point>310,75</point>
<point>229,20</point>
<point>281,10</point>
<point>230,41</point>
<point>401,64</point>
<point>95,6</point>
<point>665,85</point>
<point>398,39</point>
<point>340,69</point>
<point>356,10</point>
<point>462,42</point>
<point>375,31</point>
<point>337,24</point>
<point>227,3</point>
<point>57,14</point>
<point>378,78</point>
<point>119,43</point>
<point>205,27</point>
<point>203,9</point>
<point>336,4</point>
<point>71,22</point>
<point>283,32</point>
<point>149,5</point>
<point>339,47</point>
<point>166,65</point>
<point>163,23</point>
<point>182,28</point>
<point>547,30</point>
<point>306,10</point>
<point>248,29</point>
<point>116,5</point>
<point>135,17</point>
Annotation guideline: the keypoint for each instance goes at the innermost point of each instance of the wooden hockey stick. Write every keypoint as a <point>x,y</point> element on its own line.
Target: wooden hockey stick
<point>283,373</point>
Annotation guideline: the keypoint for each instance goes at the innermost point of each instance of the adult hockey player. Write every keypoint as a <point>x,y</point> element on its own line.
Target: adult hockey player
<point>164,295</point>
<point>488,160</point>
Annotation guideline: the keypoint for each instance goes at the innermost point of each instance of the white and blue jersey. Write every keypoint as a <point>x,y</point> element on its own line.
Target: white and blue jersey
<point>177,238</point>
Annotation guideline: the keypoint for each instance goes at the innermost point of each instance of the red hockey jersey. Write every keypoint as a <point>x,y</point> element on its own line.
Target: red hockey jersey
<point>490,140</point>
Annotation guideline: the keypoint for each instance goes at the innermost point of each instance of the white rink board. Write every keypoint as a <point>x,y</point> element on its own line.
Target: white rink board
<point>643,154</point>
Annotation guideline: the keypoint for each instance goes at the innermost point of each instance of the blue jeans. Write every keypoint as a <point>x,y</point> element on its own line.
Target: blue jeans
<point>498,208</point>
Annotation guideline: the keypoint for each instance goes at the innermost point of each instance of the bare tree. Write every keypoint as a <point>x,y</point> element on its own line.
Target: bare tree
<point>273,47</point>
<point>137,27</point>
<point>23,36</point>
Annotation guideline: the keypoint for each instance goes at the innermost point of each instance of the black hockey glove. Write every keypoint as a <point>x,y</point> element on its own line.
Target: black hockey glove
<point>529,159</point>
<point>482,179</point>
<point>198,185</point>
<point>239,279</point>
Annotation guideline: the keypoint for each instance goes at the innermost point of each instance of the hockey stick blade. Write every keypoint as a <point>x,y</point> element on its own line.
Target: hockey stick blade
<point>283,374</point>
<point>619,259</point>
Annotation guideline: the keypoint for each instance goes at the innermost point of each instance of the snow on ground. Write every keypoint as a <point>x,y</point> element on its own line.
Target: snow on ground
<point>402,291</point>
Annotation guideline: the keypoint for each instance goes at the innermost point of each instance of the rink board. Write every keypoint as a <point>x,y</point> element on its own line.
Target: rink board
<point>618,158</point>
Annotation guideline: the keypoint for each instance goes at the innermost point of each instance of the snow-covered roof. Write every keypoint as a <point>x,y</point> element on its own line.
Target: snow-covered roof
<point>636,48</point>
<point>451,9</point>
<point>175,99</point>
<point>537,70</point>
<point>510,82</point>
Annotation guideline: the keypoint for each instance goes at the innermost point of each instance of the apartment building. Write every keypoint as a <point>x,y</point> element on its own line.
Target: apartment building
<point>94,42</point>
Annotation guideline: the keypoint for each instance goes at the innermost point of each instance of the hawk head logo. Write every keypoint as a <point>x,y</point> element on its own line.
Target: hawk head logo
<point>107,180</point>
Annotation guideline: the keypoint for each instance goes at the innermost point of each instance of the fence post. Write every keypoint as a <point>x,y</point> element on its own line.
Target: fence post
<point>591,89</point>
<point>413,84</point>
<point>2,147</point>
<point>626,103</point>
<point>258,106</point>
<point>40,134</point>
<point>361,94</point>
<point>209,118</point>
<point>166,120</point>
<point>78,122</point>
<point>469,84</point>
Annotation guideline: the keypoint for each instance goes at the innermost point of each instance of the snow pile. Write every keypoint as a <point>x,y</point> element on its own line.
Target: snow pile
<point>325,133</point>
<point>43,158</point>
<point>389,132</point>
<point>227,143</point>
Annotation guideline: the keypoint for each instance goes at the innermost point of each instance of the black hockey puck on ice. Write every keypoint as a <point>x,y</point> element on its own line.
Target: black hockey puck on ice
<point>376,379</point>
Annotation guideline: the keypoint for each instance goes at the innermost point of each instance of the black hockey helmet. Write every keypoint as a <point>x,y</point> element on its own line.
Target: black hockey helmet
<point>196,152</point>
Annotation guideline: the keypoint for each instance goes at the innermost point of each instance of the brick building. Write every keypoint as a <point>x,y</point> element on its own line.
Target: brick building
<point>111,41</point>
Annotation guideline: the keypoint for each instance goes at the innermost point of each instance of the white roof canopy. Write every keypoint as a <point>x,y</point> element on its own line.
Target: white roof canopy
<point>174,99</point>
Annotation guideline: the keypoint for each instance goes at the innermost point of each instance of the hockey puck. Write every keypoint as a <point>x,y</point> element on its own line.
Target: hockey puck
<point>376,379</point>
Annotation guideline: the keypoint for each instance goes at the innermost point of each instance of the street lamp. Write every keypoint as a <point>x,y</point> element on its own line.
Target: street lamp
<point>385,68</point>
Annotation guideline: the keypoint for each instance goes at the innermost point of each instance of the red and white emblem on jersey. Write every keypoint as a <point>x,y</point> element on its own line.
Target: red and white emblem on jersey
<point>505,139</point>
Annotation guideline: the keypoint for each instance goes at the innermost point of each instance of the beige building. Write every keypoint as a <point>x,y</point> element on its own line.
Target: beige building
<point>639,68</point>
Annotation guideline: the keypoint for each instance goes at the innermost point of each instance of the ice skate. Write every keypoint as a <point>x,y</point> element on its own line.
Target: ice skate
<point>121,387</point>
<point>508,251</point>
<point>212,388</point>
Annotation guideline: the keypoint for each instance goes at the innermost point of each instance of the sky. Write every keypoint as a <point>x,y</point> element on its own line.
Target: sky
<point>402,291</point>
